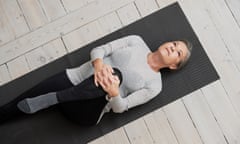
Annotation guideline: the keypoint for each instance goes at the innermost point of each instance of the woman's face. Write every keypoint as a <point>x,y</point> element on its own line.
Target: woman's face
<point>171,53</point>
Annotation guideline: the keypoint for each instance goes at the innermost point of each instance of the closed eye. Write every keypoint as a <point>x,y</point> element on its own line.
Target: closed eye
<point>179,54</point>
<point>175,44</point>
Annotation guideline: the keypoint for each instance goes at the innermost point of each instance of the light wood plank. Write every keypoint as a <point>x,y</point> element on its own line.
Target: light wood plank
<point>55,49</point>
<point>197,14</point>
<point>218,52</point>
<point>90,1</point>
<point>221,106</point>
<point>234,6</point>
<point>204,119</point>
<point>99,140</point>
<point>33,12</point>
<point>4,75</point>
<point>226,26</point>
<point>73,40</point>
<point>159,128</point>
<point>110,23</point>
<point>45,54</point>
<point>92,31</point>
<point>164,3</point>
<point>117,136</point>
<point>6,33</point>
<point>18,67</point>
<point>223,111</point>
<point>128,14</point>
<point>36,58</point>
<point>83,36</point>
<point>138,133</point>
<point>181,123</point>
<point>230,78</point>
<point>146,7</point>
<point>58,28</point>
<point>228,55</point>
<point>14,16</point>
<point>53,9</point>
<point>72,5</point>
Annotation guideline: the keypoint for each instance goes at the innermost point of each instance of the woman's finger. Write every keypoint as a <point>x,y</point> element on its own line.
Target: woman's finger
<point>105,73</point>
<point>99,77</point>
<point>110,69</point>
<point>105,84</point>
<point>96,80</point>
<point>102,85</point>
<point>116,78</point>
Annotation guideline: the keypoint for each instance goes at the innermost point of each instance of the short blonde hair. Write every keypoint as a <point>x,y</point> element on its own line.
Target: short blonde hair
<point>189,47</point>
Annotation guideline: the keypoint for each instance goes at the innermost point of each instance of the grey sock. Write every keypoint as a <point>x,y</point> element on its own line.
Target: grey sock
<point>32,105</point>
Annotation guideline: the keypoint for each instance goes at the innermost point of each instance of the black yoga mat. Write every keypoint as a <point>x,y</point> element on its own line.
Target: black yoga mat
<point>50,126</point>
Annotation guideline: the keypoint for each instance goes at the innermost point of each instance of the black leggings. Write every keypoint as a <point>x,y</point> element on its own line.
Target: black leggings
<point>84,91</point>
<point>82,103</point>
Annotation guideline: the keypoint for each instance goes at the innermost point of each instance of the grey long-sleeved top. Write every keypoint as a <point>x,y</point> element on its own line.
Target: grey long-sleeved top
<point>129,54</point>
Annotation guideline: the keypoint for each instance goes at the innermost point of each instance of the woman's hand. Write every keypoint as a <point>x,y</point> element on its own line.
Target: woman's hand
<point>110,84</point>
<point>101,69</point>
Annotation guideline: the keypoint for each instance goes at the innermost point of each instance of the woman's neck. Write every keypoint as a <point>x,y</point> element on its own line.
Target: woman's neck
<point>154,62</point>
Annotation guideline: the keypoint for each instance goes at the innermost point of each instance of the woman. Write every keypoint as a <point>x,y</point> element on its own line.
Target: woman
<point>120,75</point>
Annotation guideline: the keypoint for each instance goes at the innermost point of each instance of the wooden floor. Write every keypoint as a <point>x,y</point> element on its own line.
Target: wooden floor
<point>36,32</point>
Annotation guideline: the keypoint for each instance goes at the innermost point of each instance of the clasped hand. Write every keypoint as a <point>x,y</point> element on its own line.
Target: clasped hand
<point>104,77</point>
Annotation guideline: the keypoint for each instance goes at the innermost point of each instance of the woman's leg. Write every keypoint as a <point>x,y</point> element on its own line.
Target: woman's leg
<point>55,83</point>
<point>86,109</point>
<point>83,112</point>
<point>85,90</point>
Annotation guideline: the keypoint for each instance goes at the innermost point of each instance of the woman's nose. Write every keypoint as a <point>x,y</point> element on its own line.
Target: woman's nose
<point>172,48</point>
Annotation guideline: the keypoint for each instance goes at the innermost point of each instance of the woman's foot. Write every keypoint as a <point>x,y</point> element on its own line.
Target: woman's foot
<point>32,105</point>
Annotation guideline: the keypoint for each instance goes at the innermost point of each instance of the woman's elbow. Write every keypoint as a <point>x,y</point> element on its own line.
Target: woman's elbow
<point>119,109</point>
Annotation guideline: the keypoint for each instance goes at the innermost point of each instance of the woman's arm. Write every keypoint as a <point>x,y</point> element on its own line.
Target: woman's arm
<point>119,104</point>
<point>98,53</point>
<point>105,50</point>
